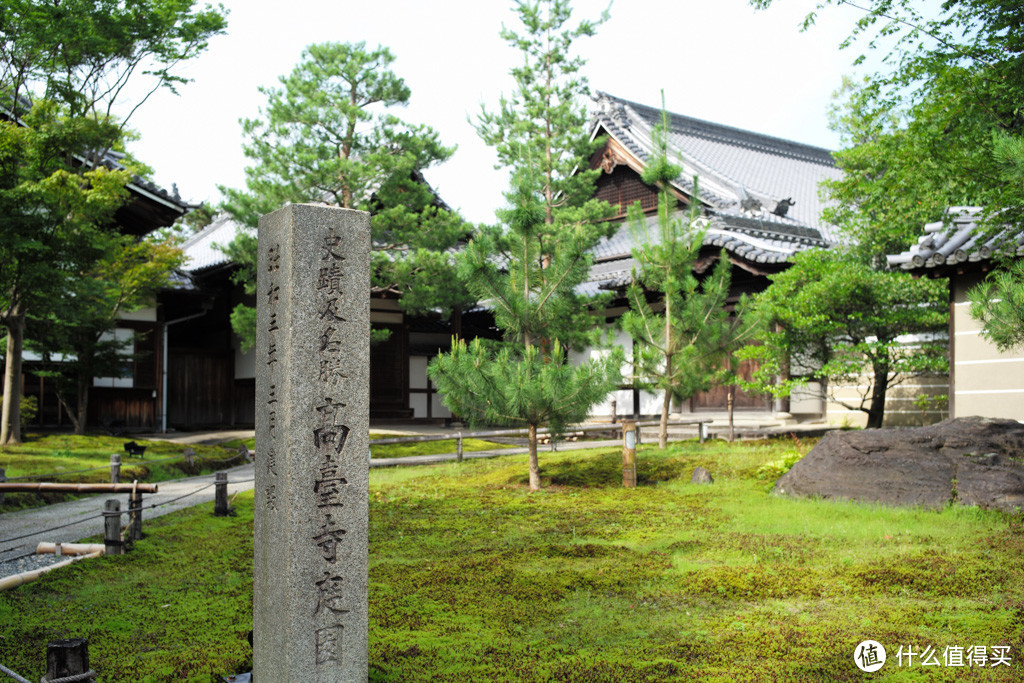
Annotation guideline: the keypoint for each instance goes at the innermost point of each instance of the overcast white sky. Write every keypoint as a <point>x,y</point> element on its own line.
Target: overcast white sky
<point>716,60</point>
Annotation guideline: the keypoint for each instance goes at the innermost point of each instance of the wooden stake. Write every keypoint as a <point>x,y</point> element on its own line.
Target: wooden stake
<point>66,658</point>
<point>135,519</point>
<point>112,527</point>
<point>220,501</point>
<point>629,454</point>
<point>115,468</point>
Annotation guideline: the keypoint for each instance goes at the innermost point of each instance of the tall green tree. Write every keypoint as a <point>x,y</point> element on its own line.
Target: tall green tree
<point>50,216</point>
<point>529,281</point>
<point>76,338</point>
<point>65,72</point>
<point>921,134</point>
<point>328,134</point>
<point>543,123</point>
<point>939,125</point>
<point>685,345</point>
<point>527,270</point>
<point>838,321</point>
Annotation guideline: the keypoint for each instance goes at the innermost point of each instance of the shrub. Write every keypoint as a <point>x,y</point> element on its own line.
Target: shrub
<point>776,468</point>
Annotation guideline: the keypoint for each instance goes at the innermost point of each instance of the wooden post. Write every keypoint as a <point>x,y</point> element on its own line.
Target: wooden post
<point>702,431</point>
<point>112,527</point>
<point>3,478</point>
<point>135,519</point>
<point>615,411</point>
<point>66,658</point>
<point>629,453</point>
<point>190,455</point>
<point>220,501</point>
<point>115,468</point>
<point>730,399</point>
<point>458,448</point>
<point>638,435</point>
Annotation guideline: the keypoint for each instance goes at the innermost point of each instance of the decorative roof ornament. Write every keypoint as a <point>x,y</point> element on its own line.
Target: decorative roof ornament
<point>608,161</point>
<point>782,208</point>
<point>750,206</point>
<point>613,108</point>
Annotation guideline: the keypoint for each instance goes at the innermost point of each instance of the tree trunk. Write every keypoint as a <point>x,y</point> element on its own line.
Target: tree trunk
<point>10,419</point>
<point>71,413</point>
<point>666,405</point>
<point>534,464</point>
<point>878,390</point>
<point>730,399</point>
<point>83,404</point>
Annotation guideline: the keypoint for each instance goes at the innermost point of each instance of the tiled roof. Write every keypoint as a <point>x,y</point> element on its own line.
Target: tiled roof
<point>201,250</point>
<point>753,240</point>
<point>955,240</point>
<point>112,160</point>
<point>741,173</point>
<point>743,177</point>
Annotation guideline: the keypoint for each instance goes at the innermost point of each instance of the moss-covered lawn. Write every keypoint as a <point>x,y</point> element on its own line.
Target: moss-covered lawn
<point>59,457</point>
<point>473,578</point>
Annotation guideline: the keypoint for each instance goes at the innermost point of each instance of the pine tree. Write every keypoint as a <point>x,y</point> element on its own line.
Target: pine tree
<point>528,271</point>
<point>688,344</point>
<point>527,379</point>
<point>328,135</point>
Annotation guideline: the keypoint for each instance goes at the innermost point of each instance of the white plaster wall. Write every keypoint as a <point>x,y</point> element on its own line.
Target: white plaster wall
<point>147,314</point>
<point>418,403</point>
<point>418,372</point>
<point>806,399</point>
<point>245,362</point>
<point>987,381</point>
<point>123,335</point>
<point>437,408</point>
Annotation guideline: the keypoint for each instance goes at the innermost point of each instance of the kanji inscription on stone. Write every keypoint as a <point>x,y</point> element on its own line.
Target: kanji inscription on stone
<point>312,427</point>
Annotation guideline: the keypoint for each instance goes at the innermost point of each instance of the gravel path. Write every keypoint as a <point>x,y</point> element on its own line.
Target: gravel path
<point>23,530</point>
<point>28,563</point>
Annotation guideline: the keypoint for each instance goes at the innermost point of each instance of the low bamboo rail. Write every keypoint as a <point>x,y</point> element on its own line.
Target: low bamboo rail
<point>608,427</point>
<point>50,487</point>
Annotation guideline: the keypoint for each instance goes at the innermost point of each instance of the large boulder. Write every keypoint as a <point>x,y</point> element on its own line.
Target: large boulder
<point>970,461</point>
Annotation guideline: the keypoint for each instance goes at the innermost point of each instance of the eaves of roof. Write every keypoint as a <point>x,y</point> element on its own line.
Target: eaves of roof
<point>741,173</point>
<point>201,252</point>
<point>112,160</point>
<point>953,241</point>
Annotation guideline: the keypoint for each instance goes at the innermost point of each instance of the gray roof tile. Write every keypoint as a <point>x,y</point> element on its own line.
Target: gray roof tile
<point>201,248</point>
<point>955,240</point>
<point>732,164</point>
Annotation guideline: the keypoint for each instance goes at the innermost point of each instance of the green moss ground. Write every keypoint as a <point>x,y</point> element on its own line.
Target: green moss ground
<point>472,577</point>
<point>59,457</point>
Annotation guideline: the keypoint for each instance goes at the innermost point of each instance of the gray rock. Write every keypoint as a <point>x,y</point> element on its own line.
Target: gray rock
<point>969,461</point>
<point>701,476</point>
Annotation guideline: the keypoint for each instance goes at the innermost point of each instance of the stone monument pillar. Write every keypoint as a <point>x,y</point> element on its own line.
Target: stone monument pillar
<point>310,617</point>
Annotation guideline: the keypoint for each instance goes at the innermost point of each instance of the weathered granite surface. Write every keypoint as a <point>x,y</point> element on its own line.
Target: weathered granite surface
<point>969,461</point>
<point>311,532</point>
